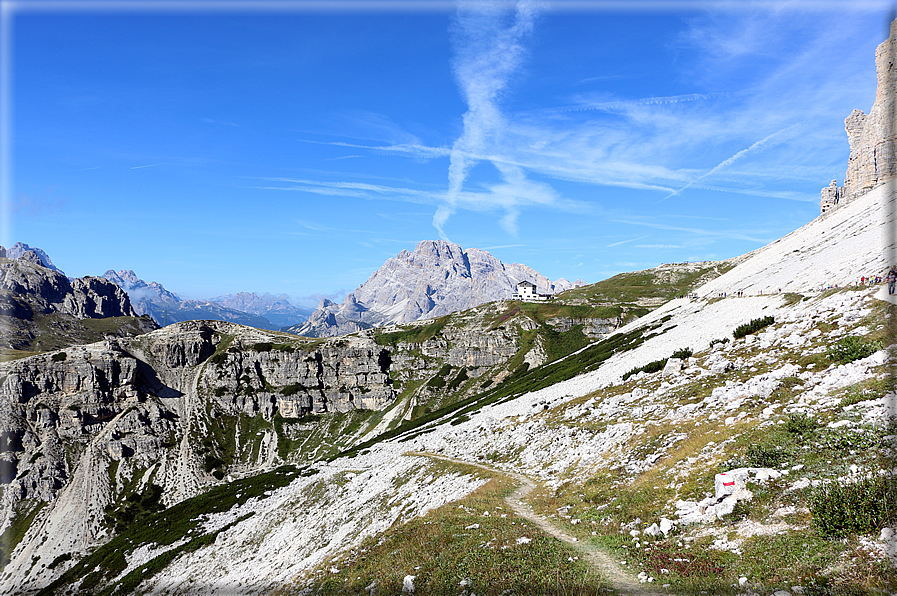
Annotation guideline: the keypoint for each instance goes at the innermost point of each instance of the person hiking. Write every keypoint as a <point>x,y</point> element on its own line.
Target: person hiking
<point>892,280</point>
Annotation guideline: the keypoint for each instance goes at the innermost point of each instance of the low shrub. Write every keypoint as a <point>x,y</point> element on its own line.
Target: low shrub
<point>263,346</point>
<point>60,559</point>
<point>840,509</point>
<point>59,357</point>
<point>135,508</point>
<point>851,348</point>
<point>211,462</point>
<point>754,326</point>
<point>724,340</point>
<point>682,354</point>
<point>651,367</point>
<point>462,376</point>
<point>438,381</point>
<point>292,389</point>
<point>800,424</point>
<point>764,456</point>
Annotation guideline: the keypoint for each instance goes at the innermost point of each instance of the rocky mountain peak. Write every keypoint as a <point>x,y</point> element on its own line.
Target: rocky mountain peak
<point>20,250</point>
<point>436,278</point>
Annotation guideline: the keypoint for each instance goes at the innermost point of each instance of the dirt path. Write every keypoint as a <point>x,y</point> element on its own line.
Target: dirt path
<point>620,579</point>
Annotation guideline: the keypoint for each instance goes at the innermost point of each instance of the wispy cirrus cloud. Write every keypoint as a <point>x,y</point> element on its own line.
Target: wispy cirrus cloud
<point>776,138</point>
<point>506,196</point>
<point>487,53</point>
<point>714,233</point>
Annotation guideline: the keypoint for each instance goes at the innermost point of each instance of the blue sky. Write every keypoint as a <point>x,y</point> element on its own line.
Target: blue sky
<point>293,150</point>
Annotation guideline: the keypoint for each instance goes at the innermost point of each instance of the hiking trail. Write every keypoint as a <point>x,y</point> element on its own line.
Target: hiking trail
<point>620,579</point>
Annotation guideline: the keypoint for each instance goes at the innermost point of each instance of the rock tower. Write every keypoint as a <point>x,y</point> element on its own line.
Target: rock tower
<point>871,136</point>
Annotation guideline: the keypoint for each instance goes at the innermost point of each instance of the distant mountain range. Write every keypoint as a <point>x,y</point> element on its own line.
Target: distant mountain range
<point>167,307</point>
<point>436,279</point>
<point>276,309</point>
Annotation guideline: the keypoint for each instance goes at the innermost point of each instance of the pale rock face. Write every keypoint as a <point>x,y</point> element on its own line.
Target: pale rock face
<point>436,279</point>
<point>871,136</point>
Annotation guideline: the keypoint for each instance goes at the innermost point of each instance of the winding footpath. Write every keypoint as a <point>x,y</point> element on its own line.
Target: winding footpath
<point>621,581</point>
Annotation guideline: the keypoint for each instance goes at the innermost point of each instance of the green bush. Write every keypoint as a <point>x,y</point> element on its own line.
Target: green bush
<point>764,456</point>
<point>211,462</point>
<point>135,508</point>
<point>59,357</point>
<point>263,346</point>
<point>724,340</point>
<point>800,424</point>
<point>651,367</point>
<point>292,389</point>
<point>462,376</point>
<point>682,354</point>
<point>752,327</point>
<point>60,559</point>
<point>840,509</point>
<point>852,348</point>
<point>218,357</point>
<point>438,381</point>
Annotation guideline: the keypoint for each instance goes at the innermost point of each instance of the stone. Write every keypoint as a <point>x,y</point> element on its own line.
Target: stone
<point>673,366</point>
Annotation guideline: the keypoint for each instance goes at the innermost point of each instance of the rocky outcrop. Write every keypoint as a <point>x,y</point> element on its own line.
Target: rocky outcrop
<point>257,380</point>
<point>436,279</point>
<point>46,290</point>
<point>871,136</point>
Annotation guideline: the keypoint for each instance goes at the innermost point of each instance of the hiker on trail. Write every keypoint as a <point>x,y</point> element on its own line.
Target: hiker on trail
<point>892,280</point>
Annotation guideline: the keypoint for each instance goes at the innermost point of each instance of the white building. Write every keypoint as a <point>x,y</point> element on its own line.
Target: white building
<point>526,291</point>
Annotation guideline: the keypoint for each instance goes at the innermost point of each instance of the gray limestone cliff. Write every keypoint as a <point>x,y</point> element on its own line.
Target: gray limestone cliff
<point>871,136</point>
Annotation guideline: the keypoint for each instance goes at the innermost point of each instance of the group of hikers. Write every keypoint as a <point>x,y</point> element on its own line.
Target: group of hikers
<point>890,277</point>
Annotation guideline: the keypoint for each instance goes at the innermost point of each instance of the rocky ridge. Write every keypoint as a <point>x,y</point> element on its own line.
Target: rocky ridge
<point>436,279</point>
<point>20,249</point>
<point>167,307</point>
